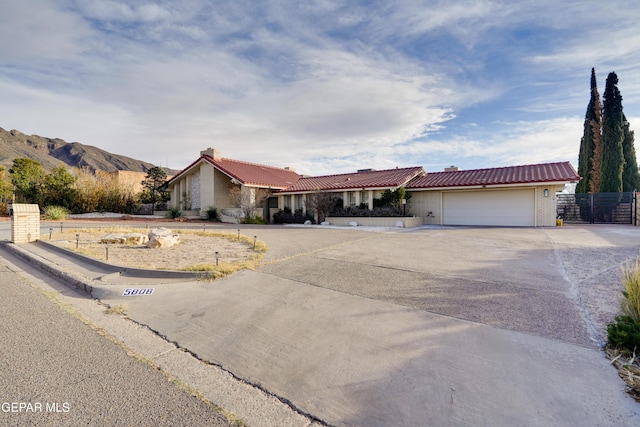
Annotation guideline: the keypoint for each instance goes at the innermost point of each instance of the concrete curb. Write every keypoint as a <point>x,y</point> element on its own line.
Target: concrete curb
<point>128,271</point>
<point>71,278</point>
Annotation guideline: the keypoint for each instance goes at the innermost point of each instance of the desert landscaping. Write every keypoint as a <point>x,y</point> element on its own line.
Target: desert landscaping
<point>195,250</point>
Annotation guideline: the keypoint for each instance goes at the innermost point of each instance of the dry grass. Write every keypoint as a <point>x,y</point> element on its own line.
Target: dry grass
<point>631,282</point>
<point>118,309</point>
<point>628,367</point>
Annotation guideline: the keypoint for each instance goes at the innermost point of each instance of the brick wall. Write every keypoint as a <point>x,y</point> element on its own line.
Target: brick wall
<point>25,223</point>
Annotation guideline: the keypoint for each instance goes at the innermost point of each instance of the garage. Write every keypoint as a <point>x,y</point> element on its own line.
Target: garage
<point>489,207</point>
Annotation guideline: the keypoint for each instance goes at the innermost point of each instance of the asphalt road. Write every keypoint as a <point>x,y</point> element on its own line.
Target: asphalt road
<point>56,370</point>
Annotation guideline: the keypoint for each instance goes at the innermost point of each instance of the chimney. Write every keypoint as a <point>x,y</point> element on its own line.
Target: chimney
<point>212,152</point>
<point>451,169</point>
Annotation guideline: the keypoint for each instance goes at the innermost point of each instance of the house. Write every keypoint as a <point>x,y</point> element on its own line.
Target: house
<point>505,196</point>
<point>209,181</point>
<point>354,189</point>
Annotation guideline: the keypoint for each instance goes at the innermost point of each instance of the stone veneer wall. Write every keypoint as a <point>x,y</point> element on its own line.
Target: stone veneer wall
<point>195,191</point>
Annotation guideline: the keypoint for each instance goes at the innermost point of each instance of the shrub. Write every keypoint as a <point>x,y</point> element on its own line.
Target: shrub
<point>631,293</point>
<point>173,213</point>
<point>624,332</point>
<point>255,219</point>
<point>212,214</point>
<point>55,213</point>
<point>285,216</point>
<point>383,211</point>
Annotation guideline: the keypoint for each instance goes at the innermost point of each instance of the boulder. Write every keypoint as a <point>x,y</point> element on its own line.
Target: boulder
<point>137,238</point>
<point>353,224</point>
<point>325,223</point>
<point>162,238</point>
<point>399,224</point>
<point>114,238</point>
<point>307,222</point>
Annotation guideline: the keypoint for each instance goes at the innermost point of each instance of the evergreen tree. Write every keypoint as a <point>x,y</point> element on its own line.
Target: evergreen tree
<point>155,184</point>
<point>612,137</point>
<point>591,133</point>
<point>630,175</point>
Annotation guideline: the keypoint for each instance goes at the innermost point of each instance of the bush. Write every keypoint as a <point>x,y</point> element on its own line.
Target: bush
<point>55,213</point>
<point>624,332</point>
<point>212,214</point>
<point>285,216</point>
<point>384,211</point>
<point>255,219</point>
<point>173,213</point>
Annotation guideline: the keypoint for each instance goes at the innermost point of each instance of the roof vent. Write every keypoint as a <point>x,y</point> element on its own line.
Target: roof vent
<point>289,168</point>
<point>451,169</point>
<point>365,170</point>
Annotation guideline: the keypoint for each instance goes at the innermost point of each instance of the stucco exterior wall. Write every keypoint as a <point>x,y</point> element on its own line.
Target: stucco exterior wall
<point>206,185</point>
<point>546,207</point>
<point>222,185</point>
<point>428,204</point>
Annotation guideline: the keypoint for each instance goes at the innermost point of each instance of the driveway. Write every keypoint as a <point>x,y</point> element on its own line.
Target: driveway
<point>431,326</point>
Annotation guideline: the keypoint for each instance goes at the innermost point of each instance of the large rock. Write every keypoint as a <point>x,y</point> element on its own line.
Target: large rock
<point>137,238</point>
<point>130,238</point>
<point>162,238</point>
<point>114,238</point>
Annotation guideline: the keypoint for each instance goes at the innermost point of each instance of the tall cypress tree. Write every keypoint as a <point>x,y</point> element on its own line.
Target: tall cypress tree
<point>630,175</point>
<point>591,132</point>
<point>612,137</point>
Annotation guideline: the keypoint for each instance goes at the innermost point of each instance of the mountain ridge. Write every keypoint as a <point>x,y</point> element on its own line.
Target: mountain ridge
<point>52,152</point>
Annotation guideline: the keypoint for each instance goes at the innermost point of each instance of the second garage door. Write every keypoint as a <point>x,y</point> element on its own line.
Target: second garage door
<point>490,207</point>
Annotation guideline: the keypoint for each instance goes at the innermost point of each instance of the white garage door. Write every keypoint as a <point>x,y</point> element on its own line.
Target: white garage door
<point>487,207</point>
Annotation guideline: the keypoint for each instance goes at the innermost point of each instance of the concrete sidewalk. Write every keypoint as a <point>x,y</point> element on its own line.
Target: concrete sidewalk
<point>362,359</point>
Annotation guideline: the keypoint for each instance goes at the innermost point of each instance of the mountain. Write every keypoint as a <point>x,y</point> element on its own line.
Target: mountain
<point>54,152</point>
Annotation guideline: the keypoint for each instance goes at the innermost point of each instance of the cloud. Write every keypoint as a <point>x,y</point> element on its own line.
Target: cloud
<point>322,86</point>
<point>37,31</point>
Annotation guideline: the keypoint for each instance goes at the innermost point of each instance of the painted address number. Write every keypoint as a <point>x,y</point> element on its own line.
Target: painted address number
<point>129,292</point>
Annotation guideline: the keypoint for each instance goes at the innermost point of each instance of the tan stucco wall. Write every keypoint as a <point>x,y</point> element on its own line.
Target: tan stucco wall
<point>428,204</point>
<point>222,187</point>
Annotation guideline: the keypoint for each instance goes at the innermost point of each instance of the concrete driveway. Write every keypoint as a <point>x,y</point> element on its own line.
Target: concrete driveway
<point>431,326</point>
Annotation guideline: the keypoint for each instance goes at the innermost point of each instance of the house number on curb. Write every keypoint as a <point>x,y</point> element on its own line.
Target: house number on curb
<point>130,292</point>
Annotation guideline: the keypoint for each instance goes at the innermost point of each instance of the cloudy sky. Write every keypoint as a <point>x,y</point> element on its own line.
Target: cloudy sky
<point>325,86</point>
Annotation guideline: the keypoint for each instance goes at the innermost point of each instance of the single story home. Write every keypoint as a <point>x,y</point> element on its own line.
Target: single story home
<point>210,180</point>
<point>506,196</point>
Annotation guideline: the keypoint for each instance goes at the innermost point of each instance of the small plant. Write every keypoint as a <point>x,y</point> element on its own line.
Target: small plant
<point>212,214</point>
<point>623,334</point>
<point>118,309</point>
<point>174,213</point>
<point>55,213</point>
<point>255,219</point>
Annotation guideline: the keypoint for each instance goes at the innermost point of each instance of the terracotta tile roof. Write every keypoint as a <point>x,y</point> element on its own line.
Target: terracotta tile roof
<point>547,172</point>
<point>251,174</point>
<point>389,178</point>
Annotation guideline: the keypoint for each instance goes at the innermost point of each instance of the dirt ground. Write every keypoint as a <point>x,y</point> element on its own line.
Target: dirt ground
<point>195,248</point>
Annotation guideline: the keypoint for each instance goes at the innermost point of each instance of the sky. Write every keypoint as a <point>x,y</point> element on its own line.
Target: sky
<point>324,86</point>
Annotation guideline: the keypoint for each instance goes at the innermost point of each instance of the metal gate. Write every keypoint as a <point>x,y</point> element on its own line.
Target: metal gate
<point>596,208</point>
